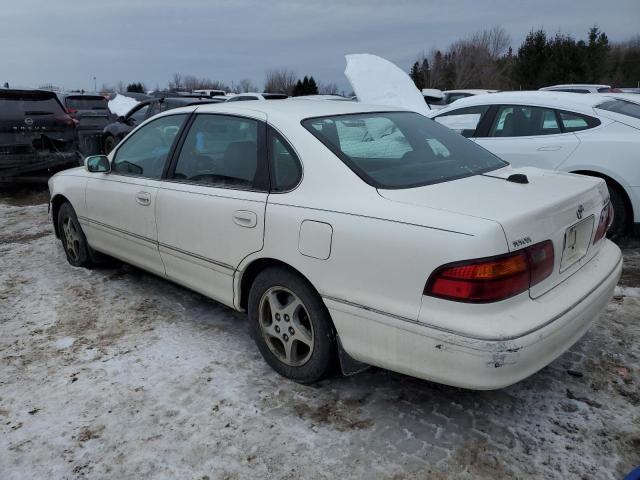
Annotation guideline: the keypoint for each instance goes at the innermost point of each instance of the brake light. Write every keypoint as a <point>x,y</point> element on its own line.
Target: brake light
<point>606,219</point>
<point>492,279</point>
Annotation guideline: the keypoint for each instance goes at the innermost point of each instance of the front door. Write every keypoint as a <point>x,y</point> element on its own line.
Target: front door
<point>121,204</point>
<point>210,209</point>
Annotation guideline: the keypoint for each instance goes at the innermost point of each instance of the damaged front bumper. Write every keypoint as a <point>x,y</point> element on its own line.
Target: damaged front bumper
<point>561,316</point>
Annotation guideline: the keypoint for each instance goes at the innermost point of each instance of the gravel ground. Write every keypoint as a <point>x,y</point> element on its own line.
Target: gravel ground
<point>115,373</point>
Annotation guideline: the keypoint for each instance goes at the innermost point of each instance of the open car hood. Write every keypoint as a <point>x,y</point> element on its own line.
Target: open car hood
<point>379,82</point>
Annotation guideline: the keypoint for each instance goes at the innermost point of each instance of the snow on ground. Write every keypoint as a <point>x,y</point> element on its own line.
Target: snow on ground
<point>121,104</point>
<point>114,373</point>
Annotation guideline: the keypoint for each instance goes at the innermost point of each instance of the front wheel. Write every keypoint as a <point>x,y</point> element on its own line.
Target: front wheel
<point>73,240</point>
<point>291,326</point>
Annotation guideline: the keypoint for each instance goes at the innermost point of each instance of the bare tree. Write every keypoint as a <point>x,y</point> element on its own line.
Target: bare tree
<point>330,88</point>
<point>245,85</point>
<point>280,80</point>
<point>121,87</point>
<point>176,82</point>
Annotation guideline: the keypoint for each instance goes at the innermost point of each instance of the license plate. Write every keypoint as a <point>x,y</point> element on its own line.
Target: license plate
<point>577,239</point>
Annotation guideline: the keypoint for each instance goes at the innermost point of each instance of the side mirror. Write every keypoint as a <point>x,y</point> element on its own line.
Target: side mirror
<point>121,119</point>
<point>97,164</point>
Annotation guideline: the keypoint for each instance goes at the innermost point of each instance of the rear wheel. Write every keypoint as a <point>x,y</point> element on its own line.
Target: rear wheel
<point>291,326</point>
<point>621,213</point>
<point>73,240</point>
<point>109,144</point>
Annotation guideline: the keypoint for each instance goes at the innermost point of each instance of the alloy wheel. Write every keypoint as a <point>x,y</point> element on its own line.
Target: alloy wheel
<point>286,326</point>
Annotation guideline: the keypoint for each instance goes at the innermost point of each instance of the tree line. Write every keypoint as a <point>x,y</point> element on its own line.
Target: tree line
<point>487,60</point>
<point>280,80</point>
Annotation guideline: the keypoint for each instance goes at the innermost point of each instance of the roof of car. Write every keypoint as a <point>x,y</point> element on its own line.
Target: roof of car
<point>475,91</point>
<point>300,109</point>
<point>577,85</point>
<point>573,101</point>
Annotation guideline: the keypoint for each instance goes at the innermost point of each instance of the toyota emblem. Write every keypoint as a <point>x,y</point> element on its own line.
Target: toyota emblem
<point>579,212</point>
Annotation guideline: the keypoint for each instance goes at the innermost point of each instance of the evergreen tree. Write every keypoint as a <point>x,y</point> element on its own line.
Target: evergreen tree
<point>313,86</point>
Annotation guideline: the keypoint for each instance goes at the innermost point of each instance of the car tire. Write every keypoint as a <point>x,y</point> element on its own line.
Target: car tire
<point>73,239</point>
<point>620,224</point>
<point>109,144</point>
<point>291,326</point>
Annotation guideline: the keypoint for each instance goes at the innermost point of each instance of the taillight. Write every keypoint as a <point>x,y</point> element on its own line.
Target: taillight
<point>70,110</point>
<point>606,219</point>
<point>492,279</point>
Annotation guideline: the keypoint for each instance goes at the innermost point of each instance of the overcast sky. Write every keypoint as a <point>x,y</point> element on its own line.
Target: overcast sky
<point>67,43</point>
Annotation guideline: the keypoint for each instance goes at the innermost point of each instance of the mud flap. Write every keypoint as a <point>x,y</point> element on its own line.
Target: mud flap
<point>348,364</point>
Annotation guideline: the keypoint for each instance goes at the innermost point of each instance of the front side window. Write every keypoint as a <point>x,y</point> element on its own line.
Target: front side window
<point>286,170</point>
<point>145,152</point>
<point>465,121</point>
<point>524,121</point>
<point>622,107</point>
<point>400,149</point>
<point>139,115</point>
<point>220,150</point>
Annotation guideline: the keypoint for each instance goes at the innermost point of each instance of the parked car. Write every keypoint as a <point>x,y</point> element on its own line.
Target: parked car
<point>116,131</point>
<point>581,88</point>
<point>333,98</point>
<point>92,114</point>
<point>630,90</point>
<point>210,93</point>
<point>36,135</point>
<point>588,134</point>
<point>351,233</point>
<point>450,96</point>
<point>256,96</point>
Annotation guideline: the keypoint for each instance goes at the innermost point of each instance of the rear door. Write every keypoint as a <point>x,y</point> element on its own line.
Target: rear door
<point>526,135</point>
<point>211,207</point>
<point>121,204</point>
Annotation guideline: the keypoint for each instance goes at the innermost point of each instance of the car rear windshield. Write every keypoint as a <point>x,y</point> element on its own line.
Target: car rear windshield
<point>400,149</point>
<point>621,106</point>
<point>21,104</point>
<point>87,103</point>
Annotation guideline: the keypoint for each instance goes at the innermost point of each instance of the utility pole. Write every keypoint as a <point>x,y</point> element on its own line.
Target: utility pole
<point>95,88</point>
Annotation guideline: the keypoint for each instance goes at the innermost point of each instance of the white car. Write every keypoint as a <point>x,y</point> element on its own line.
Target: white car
<point>581,88</point>
<point>241,97</point>
<point>589,134</point>
<point>364,233</point>
<point>450,96</point>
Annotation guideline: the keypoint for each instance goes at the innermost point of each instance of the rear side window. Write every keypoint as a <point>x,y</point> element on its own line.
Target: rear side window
<point>86,103</point>
<point>286,170</point>
<point>622,107</point>
<point>524,121</point>
<point>220,150</point>
<point>575,122</point>
<point>400,149</point>
<point>145,152</point>
<point>464,120</point>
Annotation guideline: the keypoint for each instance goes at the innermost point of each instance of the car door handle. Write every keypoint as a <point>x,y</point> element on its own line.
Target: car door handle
<point>550,148</point>
<point>245,218</point>
<point>143,198</point>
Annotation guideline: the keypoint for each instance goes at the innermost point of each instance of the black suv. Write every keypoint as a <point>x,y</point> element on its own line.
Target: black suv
<point>116,131</point>
<point>36,135</point>
<point>92,114</point>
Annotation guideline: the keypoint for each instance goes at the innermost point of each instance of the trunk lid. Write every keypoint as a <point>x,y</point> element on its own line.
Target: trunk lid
<point>91,111</point>
<point>564,208</point>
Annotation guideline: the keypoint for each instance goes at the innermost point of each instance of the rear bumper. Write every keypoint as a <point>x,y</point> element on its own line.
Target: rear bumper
<point>452,358</point>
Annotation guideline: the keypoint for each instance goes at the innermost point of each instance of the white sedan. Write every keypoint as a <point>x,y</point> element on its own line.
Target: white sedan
<point>352,233</point>
<point>589,134</point>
